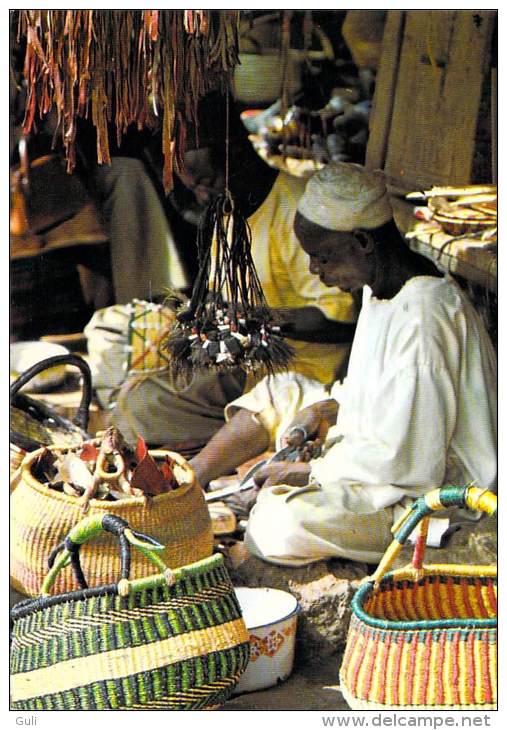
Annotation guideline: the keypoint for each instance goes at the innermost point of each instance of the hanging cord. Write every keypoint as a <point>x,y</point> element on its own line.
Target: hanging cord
<point>227,133</point>
<point>226,323</point>
<point>227,210</point>
<point>228,205</point>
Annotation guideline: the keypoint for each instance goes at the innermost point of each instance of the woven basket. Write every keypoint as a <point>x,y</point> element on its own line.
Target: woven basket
<point>148,328</point>
<point>460,220</point>
<point>424,636</point>
<point>41,516</point>
<point>175,640</point>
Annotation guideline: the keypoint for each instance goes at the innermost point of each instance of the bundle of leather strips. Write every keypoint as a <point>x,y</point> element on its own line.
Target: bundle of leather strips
<point>146,68</point>
<point>173,640</point>
<point>226,324</point>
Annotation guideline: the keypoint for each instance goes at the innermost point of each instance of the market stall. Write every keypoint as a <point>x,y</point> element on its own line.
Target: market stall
<point>253,336</point>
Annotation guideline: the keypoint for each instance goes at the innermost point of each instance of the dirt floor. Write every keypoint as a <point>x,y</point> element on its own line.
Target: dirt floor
<point>308,688</point>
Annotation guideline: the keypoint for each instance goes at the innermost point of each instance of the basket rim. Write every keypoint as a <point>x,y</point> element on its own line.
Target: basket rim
<point>200,567</point>
<point>364,591</point>
<point>100,504</point>
<point>485,221</point>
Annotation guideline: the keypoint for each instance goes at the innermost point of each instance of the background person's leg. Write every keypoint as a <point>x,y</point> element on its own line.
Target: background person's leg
<point>180,419</point>
<point>144,256</point>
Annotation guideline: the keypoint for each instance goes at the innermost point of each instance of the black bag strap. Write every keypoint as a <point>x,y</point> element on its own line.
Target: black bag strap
<point>82,414</point>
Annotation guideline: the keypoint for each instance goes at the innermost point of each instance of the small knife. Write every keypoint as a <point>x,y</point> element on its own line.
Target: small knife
<point>288,453</point>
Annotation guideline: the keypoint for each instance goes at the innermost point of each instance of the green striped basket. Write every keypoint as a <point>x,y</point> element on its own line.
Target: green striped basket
<point>175,640</point>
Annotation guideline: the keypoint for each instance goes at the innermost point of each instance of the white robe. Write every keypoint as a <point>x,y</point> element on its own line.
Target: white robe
<point>417,410</point>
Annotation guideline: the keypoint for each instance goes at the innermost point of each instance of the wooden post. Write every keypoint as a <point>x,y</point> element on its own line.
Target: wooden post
<point>428,94</point>
<point>385,89</point>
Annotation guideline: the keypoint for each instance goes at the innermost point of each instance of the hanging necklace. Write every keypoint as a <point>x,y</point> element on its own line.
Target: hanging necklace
<point>226,324</point>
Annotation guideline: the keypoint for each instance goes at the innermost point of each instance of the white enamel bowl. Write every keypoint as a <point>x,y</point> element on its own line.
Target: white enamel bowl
<point>270,616</point>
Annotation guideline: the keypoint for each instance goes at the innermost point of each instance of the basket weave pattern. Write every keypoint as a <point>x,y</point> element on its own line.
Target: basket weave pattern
<point>41,517</point>
<point>180,646</point>
<point>148,329</point>
<point>425,668</point>
<point>424,636</point>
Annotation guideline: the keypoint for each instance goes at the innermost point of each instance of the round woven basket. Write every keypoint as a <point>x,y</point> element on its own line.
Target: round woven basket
<point>41,517</point>
<point>459,221</point>
<point>424,637</point>
<point>174,640</point>
<point>461,226</point>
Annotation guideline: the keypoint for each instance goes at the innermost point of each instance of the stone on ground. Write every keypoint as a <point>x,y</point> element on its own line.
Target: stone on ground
<point>324,591</point>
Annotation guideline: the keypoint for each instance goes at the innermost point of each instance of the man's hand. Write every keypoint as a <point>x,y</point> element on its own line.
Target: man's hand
<point>282,472</point>
<point>309,324</point>
<point>311,424</point>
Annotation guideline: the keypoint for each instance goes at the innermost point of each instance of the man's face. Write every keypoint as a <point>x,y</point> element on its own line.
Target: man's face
<point>337,258</point>
<point>202,176</point>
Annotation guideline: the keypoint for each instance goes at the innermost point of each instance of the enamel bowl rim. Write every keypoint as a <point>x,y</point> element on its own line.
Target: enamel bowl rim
<point>294,611</point>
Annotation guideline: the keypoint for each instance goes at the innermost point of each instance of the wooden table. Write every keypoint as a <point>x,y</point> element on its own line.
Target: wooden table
<point>470,259</point>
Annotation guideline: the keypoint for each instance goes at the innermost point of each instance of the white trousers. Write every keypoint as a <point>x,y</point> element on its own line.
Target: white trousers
<point>299,525</point>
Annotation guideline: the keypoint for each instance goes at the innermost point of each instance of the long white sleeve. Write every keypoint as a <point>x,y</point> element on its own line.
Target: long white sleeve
<point>418,406</point>
<point>404,439</point>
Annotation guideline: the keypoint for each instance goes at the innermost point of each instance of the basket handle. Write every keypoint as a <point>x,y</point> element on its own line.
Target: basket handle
<point>82,414</point>
<point>68,550</point>
<point>466,497</point>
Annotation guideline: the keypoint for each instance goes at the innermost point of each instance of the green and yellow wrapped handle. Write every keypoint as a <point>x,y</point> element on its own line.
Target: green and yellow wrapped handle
<point>418,513</point>
<point>67,552</point>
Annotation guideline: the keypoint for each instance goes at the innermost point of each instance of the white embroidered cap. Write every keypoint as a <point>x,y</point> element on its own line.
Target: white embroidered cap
<point>344,196</point>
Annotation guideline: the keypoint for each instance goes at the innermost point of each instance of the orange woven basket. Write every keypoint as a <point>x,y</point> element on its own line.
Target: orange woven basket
<point>424,636</point>
<point>41,517</point>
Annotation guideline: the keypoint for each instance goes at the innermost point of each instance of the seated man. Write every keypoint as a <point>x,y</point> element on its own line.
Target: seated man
<point>416,411</point>
<point>319,321</point>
